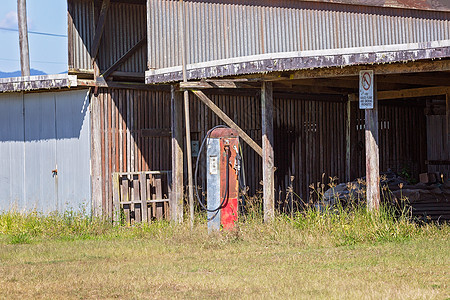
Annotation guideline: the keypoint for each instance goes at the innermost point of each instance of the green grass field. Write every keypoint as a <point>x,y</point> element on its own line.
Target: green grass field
<point>348,255</point>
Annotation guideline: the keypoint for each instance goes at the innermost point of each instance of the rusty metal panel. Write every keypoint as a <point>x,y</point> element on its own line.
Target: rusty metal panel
<point>221,30</point>
<point>126,25</point>
<point>81,33</point>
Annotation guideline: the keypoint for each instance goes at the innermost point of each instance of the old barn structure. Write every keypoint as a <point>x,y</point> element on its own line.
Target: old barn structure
<point>285,73</point>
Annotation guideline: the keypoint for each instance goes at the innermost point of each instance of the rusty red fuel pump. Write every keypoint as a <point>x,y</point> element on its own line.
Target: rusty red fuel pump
<point>223,168</point>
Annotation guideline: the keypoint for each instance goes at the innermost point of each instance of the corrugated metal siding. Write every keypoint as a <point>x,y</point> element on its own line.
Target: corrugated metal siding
<point>125,27</point>
<point>217,30</point>
<point>40,132</point>
<point>81,33</point>
<point>126,24</point>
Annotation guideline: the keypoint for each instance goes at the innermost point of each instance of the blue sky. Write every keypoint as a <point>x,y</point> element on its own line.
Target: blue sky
<point>47,53</point>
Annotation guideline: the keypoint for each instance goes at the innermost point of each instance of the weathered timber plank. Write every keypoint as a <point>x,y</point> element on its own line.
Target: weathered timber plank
<point>216,84</point>
<point>142,186</point>
<point>372,155</point>
<point>99,29</point>
<point>124,57</point>
<point>40,82</point>
<point>96,160</point>
<point>409,93</point>
<point>268,154</point>
<point>159,205</point>
<point>116,198</point>
<point>176,199</point>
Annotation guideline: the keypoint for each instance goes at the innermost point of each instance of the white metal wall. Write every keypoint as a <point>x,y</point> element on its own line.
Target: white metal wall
<point>39,133</point>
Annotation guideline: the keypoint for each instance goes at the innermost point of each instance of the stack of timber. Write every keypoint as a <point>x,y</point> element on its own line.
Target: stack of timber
<point>426,202</point>
<point>141,196</point>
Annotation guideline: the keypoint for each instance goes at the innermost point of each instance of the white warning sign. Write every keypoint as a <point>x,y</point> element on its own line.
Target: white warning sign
<point>366,89</point>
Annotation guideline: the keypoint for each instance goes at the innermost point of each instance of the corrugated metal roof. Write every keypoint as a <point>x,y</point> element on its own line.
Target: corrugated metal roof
<point>439,5</point>
<point>226,30</point>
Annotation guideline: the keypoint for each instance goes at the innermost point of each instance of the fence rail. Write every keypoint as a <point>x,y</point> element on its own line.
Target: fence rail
<point>141,196</point>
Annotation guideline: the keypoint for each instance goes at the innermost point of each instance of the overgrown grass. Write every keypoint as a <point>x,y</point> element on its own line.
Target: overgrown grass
<point>333,226</point>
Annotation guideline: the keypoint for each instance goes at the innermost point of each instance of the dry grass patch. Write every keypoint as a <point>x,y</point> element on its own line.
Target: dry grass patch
<point>309,256</point>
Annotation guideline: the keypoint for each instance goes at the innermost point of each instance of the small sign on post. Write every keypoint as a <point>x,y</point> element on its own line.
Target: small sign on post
<point>366,89</point>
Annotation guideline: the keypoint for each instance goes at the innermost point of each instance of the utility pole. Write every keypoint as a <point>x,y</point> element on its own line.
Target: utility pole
<point>23,37</point>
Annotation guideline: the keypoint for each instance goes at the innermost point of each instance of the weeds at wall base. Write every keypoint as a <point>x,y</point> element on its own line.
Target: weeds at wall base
<point>337,226</point>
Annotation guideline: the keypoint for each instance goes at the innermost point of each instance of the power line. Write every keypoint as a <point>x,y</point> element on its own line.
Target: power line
<point>36,61</point>
<point>35,32</point>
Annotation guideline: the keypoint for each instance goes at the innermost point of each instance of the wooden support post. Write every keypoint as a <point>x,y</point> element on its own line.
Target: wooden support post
<point>176,199</point>
<point>348,144</point>
<point>116,198</point>
<point>96,157</point>
<point>372,154</point>
<point>267,148</point>
<point>182,23</point>
<point>447,99</point>
<point>143,189</point>
<point>189,157</point>
<point>23,37</point>
<point>244,136</point>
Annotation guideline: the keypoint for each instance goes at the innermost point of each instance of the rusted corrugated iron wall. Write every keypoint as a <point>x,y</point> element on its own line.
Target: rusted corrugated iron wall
<point>231,29</point>
<point>80,33</point>
<point>310,141</point>
<point>125,26</point>
<point>402,138</point>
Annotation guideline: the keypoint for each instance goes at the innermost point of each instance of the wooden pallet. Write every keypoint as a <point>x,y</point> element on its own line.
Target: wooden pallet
<point>141,196</point>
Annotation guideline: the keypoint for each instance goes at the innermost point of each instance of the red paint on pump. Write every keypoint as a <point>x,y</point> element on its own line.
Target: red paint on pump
<point>229,144</point>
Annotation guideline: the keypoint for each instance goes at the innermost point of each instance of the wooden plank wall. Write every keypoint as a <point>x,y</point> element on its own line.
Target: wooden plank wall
<point>124,116</point>
<point>309,138</point>
<point>305,129</point>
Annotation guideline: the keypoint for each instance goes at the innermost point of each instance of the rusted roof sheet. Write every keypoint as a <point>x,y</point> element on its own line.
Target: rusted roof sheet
<point>438,5</point>
<point>40,82</point>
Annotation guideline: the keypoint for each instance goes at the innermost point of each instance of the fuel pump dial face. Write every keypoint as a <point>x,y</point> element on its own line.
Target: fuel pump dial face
<point>213,165</point>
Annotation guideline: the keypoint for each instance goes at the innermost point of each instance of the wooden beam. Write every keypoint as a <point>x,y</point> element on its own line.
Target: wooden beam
<point>216,84</point>
<point>414,93</point>
<point>99,29</point>
<point>122,85</point>
<point>411,93</point>
<point>416,79</point>
<point>394,68</point>
<point>176,196</point>
<point>187,127</point>
<point>268,155</point>
<point>372,155</point>
<point>208,102</point>
<point>124,57</point>
<point>447,101</point>
<point>23,37</point>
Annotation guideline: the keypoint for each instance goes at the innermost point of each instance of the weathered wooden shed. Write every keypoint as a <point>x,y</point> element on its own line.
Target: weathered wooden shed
<point>285,72</point>
<point>307,53</point>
